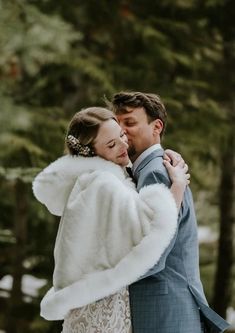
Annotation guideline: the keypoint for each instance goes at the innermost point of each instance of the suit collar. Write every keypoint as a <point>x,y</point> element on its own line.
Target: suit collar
<point>144,154</point>
<point>154,154</point>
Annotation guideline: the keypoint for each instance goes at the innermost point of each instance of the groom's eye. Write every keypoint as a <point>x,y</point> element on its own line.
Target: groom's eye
<point>130,123</point>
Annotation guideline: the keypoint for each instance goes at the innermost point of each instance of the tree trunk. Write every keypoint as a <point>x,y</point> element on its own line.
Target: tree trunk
<point>223,278</point>
<point>15,322</point>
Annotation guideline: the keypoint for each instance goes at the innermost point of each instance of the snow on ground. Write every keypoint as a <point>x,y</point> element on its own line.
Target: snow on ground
<point>231,317</point>
<point>206,235</point>
<point>30,285</point>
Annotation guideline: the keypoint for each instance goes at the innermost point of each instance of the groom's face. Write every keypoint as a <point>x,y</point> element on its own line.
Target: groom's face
<point>140,132</point>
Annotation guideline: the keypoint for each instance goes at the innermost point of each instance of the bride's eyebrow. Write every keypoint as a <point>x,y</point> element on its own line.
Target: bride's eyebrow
<point>109,141</point>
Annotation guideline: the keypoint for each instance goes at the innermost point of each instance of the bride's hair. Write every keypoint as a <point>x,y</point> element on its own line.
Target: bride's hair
<point>83,129</point>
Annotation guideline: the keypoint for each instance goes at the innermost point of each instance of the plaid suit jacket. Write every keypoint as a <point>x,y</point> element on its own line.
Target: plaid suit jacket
<point>170,297</point>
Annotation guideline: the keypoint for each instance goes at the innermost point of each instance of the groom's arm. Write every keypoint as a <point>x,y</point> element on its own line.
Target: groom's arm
<point>150,178</point>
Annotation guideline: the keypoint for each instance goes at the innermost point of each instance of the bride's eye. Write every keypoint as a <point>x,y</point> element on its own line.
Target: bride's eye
<point>112,145</point>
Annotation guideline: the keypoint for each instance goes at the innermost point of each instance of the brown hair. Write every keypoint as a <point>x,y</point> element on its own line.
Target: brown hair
<point>85,125</point>
<point>152,104</point>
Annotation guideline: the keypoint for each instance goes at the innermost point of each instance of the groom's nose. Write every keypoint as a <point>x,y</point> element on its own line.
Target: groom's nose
<point>124,128</point>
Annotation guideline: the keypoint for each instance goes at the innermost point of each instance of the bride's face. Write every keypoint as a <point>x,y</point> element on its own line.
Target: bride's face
<point>111,143</point>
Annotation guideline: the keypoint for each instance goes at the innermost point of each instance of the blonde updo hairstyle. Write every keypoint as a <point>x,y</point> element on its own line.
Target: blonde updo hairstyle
<point>83,130</point>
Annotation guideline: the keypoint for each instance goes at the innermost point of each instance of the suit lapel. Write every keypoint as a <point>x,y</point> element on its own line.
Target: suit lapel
<point>154,154</point>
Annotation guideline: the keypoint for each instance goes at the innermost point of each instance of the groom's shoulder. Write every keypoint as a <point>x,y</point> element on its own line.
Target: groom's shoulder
<point>157,167</point>
<point>154,169</point>
<point>154,162</point>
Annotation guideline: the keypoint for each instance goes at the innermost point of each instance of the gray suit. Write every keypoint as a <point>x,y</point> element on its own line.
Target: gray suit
<point>170,297</point>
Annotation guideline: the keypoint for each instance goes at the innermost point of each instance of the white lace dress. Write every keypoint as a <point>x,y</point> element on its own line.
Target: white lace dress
<point>108,315</point>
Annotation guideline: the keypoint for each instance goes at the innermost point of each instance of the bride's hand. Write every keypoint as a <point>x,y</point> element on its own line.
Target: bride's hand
<point>179,173</point>
<point>172,156</point>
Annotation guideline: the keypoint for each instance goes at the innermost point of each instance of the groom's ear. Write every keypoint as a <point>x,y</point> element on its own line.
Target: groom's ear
<point>157,127</point>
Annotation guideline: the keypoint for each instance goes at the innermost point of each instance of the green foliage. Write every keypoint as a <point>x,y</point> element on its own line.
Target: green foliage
<point>32,39</point>
<point>207,276</point>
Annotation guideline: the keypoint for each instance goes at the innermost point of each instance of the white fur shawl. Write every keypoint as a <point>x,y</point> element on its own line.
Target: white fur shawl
<point>109,234</point>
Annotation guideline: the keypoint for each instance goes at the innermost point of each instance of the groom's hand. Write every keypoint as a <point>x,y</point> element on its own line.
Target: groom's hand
<point>173,157</point>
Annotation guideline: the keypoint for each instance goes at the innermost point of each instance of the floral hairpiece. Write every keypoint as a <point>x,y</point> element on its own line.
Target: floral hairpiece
<point>81,149</point>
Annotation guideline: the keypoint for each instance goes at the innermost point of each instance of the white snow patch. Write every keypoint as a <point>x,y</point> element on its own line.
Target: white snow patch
<point>231,317</point>
<point>206,235</point>
<point>30,285</point>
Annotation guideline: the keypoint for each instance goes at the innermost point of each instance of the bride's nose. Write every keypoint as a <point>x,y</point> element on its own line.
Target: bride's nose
<point>124,143</point>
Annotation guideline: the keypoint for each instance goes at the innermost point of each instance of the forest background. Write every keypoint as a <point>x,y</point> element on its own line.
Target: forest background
<point>60,56</point>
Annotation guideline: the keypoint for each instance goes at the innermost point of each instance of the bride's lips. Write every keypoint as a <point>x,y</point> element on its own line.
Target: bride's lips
<point>123,154</point>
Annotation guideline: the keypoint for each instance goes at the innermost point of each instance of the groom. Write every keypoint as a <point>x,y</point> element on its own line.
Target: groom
<point>170,297</point>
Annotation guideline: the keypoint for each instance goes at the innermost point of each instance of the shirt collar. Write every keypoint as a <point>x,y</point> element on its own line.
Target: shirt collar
<point>145,153</point>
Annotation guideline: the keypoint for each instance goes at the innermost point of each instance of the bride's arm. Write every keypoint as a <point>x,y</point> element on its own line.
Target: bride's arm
<point>180,179</point>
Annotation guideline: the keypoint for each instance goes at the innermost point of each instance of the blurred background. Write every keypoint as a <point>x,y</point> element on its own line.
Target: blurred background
<point>60,56</point>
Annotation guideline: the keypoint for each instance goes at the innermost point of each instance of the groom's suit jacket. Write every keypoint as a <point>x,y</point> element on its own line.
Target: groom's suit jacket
<point>170,297</point>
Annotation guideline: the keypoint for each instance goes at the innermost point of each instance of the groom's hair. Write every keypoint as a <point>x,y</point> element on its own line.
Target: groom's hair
<point>154,107</point>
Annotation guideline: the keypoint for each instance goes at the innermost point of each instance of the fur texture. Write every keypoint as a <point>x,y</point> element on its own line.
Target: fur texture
<point>109,234</point>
